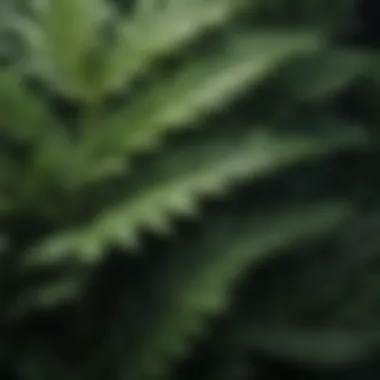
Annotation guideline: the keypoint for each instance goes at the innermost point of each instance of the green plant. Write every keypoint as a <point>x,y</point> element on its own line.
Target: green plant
<point>127,143</point>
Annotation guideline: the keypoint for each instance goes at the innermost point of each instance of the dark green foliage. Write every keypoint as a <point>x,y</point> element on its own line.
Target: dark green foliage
<point>189,191</point>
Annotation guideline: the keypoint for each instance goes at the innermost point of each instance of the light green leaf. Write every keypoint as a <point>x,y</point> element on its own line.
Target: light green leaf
<point>156,28</point>
<point>199,87</point>
<point>173,183</point>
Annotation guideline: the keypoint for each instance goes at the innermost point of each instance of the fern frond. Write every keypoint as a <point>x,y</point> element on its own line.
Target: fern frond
<point>199,87</point>
<point>156,28</point>
<point>197,284</point>
<point>67,31</point>
<point>173,182</point>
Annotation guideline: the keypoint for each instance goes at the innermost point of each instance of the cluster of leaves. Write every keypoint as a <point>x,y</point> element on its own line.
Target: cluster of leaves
<point>172,173</point>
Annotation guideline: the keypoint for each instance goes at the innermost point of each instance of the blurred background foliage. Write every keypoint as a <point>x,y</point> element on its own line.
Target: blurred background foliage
<point>309,311</point>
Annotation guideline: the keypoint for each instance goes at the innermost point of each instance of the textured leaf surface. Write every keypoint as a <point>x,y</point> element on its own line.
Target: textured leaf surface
<point>198,88</point>
<point>156,28</point>
<point>172,184</point>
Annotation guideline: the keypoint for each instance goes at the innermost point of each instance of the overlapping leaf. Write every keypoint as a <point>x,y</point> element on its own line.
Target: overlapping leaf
<point>23,115</point>
<point>156,28</point>
<point>62,38</point>
<point>199,87</point>
<point>26,120</point>
<point>197,282</point>
<point>172,183</point>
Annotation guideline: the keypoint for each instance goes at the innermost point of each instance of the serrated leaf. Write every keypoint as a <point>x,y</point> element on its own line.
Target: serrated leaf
<point>172,184</point>
<point>155,29</point>
<point>196,283</point>
<point>198,88</point>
